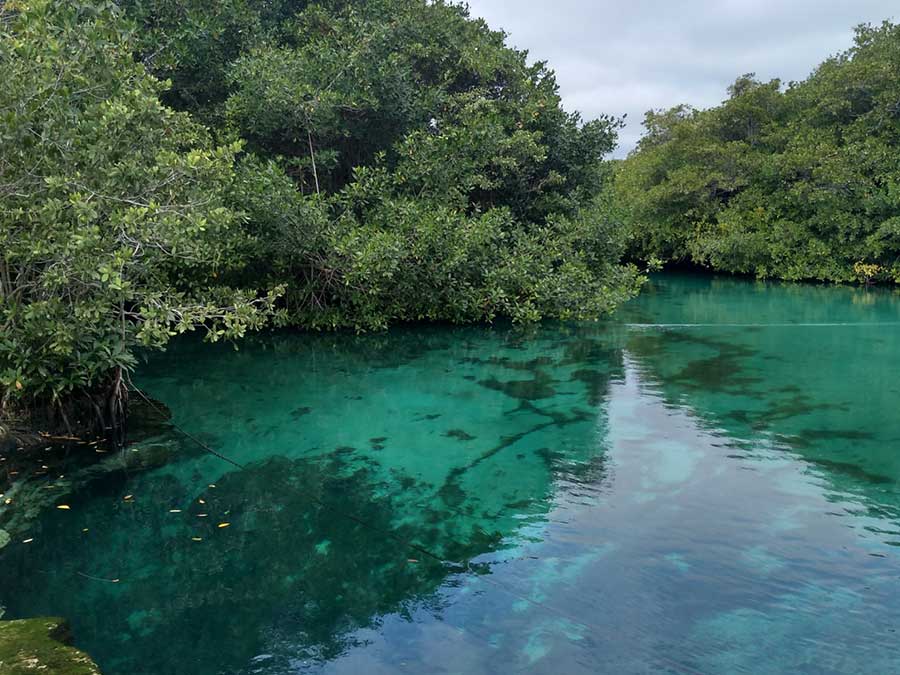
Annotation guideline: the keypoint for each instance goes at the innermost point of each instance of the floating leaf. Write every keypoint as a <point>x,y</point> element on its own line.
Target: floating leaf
<point>128,497</point>
<point>27,541</point>
<point>64,507</point>
<point>202,515</point>
<point>174,510</point>
<point>221,525</point>
<point>196,538</point>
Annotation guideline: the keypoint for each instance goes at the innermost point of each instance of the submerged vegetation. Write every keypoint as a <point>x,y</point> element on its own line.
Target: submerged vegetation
<point>575,487</point>
<point>166,166</point>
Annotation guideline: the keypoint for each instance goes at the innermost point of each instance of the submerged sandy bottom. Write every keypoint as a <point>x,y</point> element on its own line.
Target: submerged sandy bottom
<point>709,482</point>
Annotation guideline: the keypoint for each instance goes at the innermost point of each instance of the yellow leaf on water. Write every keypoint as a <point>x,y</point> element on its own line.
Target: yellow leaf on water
<point>196,538</point>
<point>128,497</point>
<point>64,507</point>
<point>224,524</point>
<point>212,485</point>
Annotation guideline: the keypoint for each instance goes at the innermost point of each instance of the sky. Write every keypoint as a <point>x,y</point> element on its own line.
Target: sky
<point>628,56</point>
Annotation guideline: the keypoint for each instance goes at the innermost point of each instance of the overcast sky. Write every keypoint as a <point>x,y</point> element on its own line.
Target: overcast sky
<point>628,56</point>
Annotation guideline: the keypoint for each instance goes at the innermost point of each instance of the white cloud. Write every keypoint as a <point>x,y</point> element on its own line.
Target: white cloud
<point>627,57</point>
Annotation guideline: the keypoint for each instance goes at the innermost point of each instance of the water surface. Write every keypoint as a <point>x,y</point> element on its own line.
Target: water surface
<point>709,482</point>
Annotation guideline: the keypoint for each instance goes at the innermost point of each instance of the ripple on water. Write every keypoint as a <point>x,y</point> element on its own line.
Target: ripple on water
<point>693,494</point>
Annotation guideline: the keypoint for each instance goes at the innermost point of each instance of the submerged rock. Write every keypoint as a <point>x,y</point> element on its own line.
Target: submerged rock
<point>149,455</point>
<point>41,646</point>
<point>7,441</point>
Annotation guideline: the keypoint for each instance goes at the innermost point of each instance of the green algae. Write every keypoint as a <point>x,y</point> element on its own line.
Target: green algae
<point>459,434</point>
<point>41,646</point>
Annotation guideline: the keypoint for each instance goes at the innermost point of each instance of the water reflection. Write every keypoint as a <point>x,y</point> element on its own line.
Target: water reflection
<point>609,498</point>
<point>376,474</point>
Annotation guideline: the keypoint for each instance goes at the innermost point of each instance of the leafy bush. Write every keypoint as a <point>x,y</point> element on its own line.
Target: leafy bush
<point>796,183</point>
<point>360,162</point>
<point>114,222</point>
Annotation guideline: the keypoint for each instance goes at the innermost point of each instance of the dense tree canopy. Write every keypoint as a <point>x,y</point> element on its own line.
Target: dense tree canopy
<point>798,182</point>
<point>170,164</point>
<point>115,219</point>
<point>423,170</point>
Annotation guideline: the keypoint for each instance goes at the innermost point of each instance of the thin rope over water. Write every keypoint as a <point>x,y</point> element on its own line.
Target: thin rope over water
<point>185,433</point>
<point>348,516</point>
<point>760,325</point>
<point>456,567</point>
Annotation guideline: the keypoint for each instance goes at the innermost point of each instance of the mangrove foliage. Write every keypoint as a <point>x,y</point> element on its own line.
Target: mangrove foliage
<point>168,165</point>
<point>794,182</point>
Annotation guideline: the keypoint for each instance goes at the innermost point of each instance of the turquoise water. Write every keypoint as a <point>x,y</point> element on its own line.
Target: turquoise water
<point>709,482</point>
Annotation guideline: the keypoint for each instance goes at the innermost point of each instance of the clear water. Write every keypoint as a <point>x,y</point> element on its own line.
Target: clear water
<point>707,483</point>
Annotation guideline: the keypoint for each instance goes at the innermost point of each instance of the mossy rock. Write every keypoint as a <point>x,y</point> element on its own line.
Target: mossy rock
<point>41,646</point>
<point>149,455</point>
